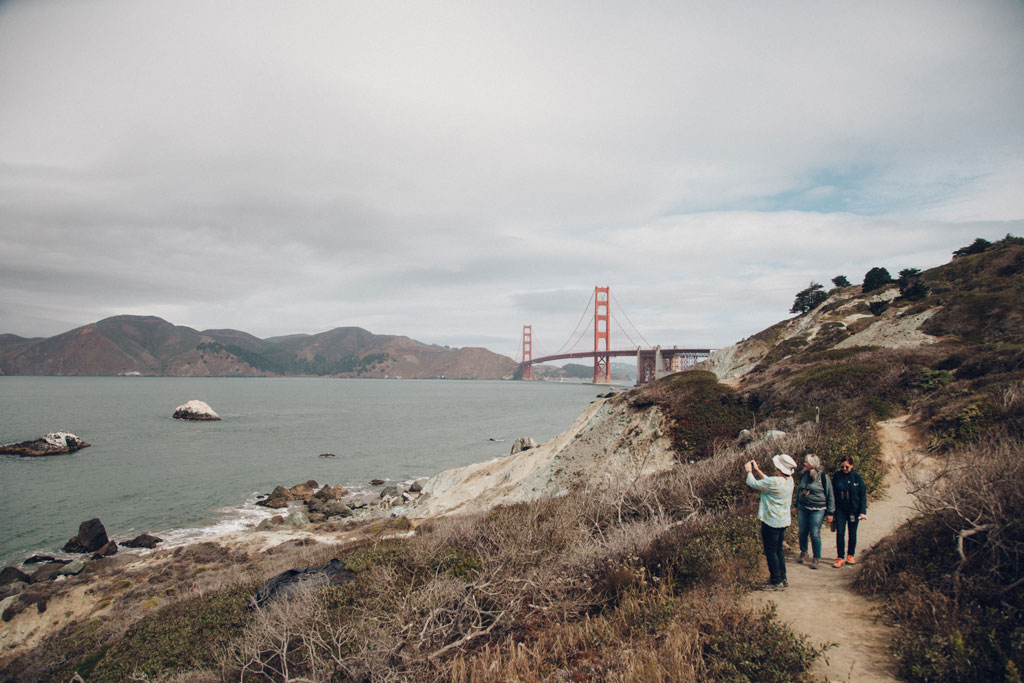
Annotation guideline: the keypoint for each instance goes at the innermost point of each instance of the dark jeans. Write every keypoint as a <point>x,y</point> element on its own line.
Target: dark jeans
<point>809,524</point>
<point>772,539</point>
<point>846,521</point>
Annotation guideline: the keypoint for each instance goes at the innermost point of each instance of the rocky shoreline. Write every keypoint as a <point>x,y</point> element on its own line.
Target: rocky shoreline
<point>316,520</point>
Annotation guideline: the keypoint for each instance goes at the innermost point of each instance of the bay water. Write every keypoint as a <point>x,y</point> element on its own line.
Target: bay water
<point>182,480</point>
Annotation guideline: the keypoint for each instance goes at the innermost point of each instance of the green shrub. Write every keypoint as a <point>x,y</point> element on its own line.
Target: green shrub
<point>390,552</point>
<point>856,439</point>
<point>700,411</point>
<point>848,379</point>
<point>878,307</point>
<point>882,409</point>
<point>457,563</point>
<point>725,549</point>
<point>930,380</point>
<point>755,647</point>
<point>179,637</point>
<point>964,426</point>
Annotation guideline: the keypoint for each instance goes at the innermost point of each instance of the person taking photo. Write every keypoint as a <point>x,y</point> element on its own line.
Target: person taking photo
<point>773,511</point>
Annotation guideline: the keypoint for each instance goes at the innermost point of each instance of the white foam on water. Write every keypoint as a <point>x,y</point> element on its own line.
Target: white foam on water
<point>236,519</point>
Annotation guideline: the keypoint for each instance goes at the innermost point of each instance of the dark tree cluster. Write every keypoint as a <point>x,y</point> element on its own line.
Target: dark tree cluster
<point>809,299</point>
<point>876,278</point>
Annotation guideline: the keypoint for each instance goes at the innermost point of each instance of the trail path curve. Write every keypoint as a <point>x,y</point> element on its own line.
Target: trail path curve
<point>822,603</point>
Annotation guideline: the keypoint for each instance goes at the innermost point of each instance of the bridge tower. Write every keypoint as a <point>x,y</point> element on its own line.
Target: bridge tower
<point>602,315</point>
<point>527,352</point>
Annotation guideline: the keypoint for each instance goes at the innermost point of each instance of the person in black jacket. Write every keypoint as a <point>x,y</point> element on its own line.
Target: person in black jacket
<point>851,507</point>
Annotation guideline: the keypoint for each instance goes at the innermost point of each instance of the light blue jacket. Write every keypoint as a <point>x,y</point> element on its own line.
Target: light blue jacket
<point>776,498</point>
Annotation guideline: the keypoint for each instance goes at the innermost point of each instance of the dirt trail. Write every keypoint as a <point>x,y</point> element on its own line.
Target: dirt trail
<point>822,603</point>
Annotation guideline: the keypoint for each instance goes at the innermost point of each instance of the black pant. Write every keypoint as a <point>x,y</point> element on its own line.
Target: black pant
<point>772,538</point>
<point>846,521</point>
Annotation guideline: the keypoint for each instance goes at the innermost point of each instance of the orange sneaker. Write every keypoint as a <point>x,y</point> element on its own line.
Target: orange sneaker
<point>838,563</point>
<point>850,560</point>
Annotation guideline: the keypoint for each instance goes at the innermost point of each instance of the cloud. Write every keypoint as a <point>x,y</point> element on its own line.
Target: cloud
<point>453,172</point>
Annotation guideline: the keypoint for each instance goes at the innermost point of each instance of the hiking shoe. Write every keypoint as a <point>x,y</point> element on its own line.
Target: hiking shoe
<point>814,563</point>
<point>771,587</point>
<point>838,563</point>
<point>785,584</point>
<point>850,560</point>
<point>803,556</point>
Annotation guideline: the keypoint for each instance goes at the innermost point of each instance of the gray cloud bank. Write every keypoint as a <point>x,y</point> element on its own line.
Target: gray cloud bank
<point>452,171</point>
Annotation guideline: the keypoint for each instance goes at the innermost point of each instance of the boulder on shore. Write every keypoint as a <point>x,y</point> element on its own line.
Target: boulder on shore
<point>72,568</point>
<point>92,536</point>
<point>195,410</point>
<point>278,498</point>
<point>329,492</point>
<point>12,574</point>
<point>143,541</point>
<point>523,443</point>
<point>109,548</point>
<point>48,572</point>
<point>329,508</point>
<point>54,443</point>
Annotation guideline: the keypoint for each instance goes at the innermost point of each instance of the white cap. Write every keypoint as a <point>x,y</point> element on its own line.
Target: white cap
<point>784,463</point>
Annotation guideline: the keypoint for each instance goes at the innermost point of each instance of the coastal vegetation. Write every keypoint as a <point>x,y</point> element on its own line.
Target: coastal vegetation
<point>644,580</point>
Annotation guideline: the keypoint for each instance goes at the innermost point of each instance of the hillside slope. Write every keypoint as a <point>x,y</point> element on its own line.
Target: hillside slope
<point>624,548</point>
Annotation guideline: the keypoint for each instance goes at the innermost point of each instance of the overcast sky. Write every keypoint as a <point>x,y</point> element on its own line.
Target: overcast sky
<point>451,171</point>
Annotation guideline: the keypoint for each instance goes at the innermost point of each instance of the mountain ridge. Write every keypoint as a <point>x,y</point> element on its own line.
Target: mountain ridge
<point>151,346</point>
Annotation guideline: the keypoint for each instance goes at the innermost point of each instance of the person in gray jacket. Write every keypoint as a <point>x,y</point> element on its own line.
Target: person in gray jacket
<point>815,502</point>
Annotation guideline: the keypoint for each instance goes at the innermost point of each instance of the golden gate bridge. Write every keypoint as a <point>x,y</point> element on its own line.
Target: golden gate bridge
<point>651,362</point>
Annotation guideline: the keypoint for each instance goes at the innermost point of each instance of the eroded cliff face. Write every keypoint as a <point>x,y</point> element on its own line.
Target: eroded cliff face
<point>841,321</point>
<point>609,445</point>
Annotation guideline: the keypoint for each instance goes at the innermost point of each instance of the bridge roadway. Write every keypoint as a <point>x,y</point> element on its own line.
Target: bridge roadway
<point>619,353</point>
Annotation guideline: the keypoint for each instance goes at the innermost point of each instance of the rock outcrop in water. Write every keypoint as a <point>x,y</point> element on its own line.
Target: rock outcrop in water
<point>195,410</point>
<point>54,443</point>
<point>92,536</point>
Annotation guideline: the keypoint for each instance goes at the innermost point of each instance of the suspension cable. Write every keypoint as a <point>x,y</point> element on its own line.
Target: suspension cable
<point>635,329</point>
<point>565,344</point>
<point>625,332</point>
<point>578,339</point>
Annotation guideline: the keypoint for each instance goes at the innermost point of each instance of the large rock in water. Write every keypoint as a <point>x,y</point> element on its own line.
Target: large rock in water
<point>92,536</point>
<point>54,443</point>
<point>195,410</point>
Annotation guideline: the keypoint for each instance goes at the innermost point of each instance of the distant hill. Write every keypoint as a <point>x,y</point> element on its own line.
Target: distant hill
<point>620,372</point>
<point>151,346</point>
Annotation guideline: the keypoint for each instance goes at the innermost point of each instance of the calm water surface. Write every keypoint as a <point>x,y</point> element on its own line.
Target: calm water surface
<point>146,472</point>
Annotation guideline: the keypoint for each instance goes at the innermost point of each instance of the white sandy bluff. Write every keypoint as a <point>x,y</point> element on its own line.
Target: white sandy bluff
<point>195,410</point>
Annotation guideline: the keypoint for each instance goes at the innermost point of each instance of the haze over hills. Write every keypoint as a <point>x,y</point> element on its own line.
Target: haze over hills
<point>149,345</point>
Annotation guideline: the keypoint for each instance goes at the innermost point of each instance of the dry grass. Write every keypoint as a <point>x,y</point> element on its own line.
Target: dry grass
<point>637,583</point>
<point>953,576</point>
